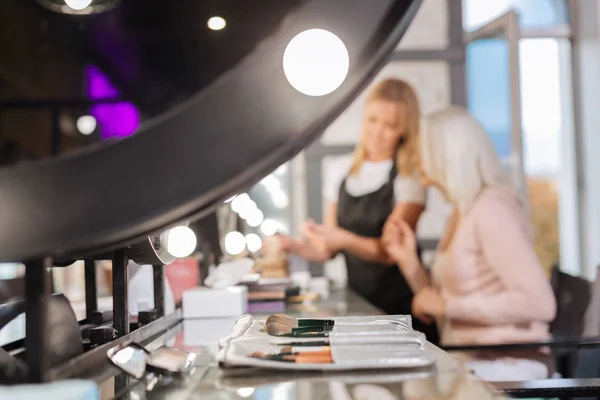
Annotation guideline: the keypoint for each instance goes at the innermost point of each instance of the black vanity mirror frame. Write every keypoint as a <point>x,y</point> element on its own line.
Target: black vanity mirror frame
<point>184,163</point>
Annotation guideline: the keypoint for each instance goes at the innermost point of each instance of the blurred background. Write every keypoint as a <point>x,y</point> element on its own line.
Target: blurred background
<point>518,65</point>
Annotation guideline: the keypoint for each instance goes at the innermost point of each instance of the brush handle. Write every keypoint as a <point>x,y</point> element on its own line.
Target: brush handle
<point>306,344</point>
<point>315,322</point>
<point>311,334</point>
<point>280,357</point>
<point>301,329</point>
<point>313,359</point>
<point>310,350</point>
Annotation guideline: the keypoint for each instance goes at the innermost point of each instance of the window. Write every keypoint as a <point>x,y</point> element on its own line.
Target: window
<point>534,14</point>
<point>542,67</point>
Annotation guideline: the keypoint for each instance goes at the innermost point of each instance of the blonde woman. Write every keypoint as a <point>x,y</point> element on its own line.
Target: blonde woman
<point>488,285</point>
<point>363,190</point>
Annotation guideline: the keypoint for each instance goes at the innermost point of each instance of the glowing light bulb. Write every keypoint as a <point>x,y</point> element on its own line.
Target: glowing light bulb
<point>255,218</point>
<point>253,242</point>
<point>235,243</point>
<point>316,62</point>
<point>78,5</point>
<point>280,199</point>
<point>86,124</point>
<point>245,392</point>
<point>216,23</point>
<point>179,241</point>
<point>269,227</point>
<point>270,182</point>
<point>237,204</point>
<point>281,170</point>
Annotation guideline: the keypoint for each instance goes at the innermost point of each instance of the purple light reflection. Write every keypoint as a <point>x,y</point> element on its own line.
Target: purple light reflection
<point>116,119</point>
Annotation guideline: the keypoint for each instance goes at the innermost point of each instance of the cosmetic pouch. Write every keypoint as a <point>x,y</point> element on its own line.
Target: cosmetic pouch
<point>352,348</point>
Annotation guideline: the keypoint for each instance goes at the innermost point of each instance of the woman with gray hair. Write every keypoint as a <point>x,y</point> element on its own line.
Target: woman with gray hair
<point>488,285</point>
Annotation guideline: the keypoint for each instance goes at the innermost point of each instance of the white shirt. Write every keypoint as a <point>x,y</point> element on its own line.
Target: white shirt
<point>370,178</point>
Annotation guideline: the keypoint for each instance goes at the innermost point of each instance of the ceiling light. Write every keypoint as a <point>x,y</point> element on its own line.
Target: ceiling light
<point>180,241</point>
<point>253,242</point>
<point>216,23</point>
<point>235,243</point>
<point>78,5</point>
<point>316,62</point>
<point>86,124</point>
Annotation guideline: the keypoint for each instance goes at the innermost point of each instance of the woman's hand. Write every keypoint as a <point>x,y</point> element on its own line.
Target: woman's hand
<point>400,241</point>
<point>428,304</point>
<point>288,244</point>
<point>303,248</point>
<point>332,238</point>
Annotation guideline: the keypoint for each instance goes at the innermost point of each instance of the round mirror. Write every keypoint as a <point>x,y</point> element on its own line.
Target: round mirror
<point>155,113</point>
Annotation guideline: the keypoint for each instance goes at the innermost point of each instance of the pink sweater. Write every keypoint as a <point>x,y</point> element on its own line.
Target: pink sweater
<point>494,284</point>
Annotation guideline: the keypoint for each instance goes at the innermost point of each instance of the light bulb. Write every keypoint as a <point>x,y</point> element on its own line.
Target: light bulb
<point>316,62</point>
<point>255,218</point>
<point>253,242</point>
<point>235,243</point>
<point>216,23</point>
<point>86,124</point>
<point>245,392</point>
<point>281,170</point>
<point>180,241</point>
<point>269,227</point>
<point>78,5</point>
<point>247,209</point>
<point>270,183</point>
<point>238,202</point>
<point>280,199</point>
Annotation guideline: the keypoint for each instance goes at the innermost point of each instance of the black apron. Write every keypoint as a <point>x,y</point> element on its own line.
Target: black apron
<point>382,285</point>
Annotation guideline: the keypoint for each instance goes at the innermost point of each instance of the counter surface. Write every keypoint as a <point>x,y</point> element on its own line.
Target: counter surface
<point>447,380</point>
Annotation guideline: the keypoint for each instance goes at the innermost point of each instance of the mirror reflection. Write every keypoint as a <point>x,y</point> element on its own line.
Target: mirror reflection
<point>78,72</point>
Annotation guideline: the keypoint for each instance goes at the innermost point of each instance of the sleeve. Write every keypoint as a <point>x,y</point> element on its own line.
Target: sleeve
<point>335,172</point>
<point>409,190</point>
<point>507,246</point>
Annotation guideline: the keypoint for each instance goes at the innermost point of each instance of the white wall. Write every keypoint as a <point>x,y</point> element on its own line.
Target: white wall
<point>429,29</point>
<point>586,69</point>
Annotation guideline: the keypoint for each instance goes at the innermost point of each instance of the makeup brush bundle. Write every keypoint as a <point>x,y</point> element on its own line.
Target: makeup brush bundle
<point>305,355</point>
<point>340,343</point>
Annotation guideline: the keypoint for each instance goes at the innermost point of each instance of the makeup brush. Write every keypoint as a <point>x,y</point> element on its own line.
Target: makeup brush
<point>291,321</point>
<point>266,356</point>
<point>319,343</point>
<point>322,357</point>
<point>276,329</point>
<point>303,349</point>
<point>281,319</point>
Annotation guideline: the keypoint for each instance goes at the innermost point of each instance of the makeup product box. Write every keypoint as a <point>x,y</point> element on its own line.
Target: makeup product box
<point>213,303</point>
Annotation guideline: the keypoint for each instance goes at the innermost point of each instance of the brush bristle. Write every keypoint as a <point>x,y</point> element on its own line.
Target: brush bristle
<point>282,319</point>
<point>259,354</point>
<point>277,329</point>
